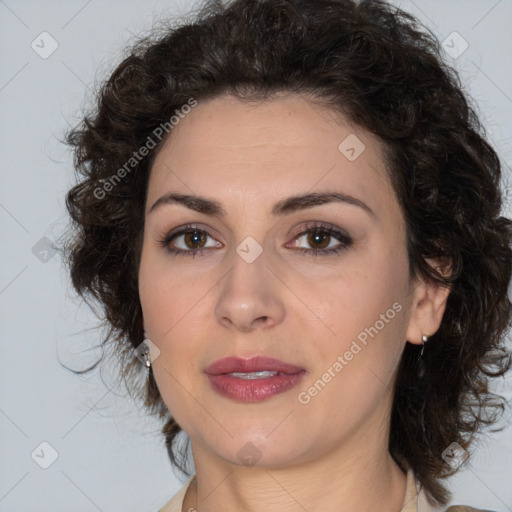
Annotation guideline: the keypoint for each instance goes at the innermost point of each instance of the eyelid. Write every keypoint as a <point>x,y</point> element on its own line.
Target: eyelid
<point>308,226</point>
<point>340,234</point>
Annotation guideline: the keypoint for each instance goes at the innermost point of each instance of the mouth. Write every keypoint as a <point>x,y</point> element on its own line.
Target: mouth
<point>253,379</point>
<point>252,365</point>
<point>254,375</point>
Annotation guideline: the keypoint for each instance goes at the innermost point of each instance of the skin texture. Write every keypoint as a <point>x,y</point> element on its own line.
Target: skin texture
<point>331,453</point>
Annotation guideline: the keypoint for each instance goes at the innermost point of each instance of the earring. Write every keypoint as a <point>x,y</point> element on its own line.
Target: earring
<point>424,339</point>
<point>147,356</point>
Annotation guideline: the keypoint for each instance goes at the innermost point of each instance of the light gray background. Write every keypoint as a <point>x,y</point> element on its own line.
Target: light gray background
<point>110,457</point>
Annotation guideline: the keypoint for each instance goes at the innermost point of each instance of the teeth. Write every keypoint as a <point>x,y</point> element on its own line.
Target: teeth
<point>253,375</point>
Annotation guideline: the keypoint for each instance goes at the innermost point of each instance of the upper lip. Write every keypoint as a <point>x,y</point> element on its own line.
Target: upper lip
<point>251,364</point>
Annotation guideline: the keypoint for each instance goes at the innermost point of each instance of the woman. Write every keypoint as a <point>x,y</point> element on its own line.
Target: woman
<point>288,211</point>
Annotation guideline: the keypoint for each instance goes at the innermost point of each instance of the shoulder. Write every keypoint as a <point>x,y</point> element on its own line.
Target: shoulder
<point>463,508</point>
<point>421,503</point>
<point>175,504</point>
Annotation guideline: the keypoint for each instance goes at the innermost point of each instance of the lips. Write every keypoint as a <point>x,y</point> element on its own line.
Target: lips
<point>253,364</point>
<point>253,380</point>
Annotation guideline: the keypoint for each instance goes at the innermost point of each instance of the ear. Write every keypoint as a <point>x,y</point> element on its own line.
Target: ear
<point>427,307</point>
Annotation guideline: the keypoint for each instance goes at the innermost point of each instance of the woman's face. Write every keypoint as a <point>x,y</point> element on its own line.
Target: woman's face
<point>284,240</point>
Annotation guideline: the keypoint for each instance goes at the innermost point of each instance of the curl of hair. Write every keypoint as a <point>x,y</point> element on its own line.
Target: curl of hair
<point>380,69</point>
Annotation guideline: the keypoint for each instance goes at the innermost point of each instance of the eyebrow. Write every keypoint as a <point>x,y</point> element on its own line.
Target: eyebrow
<point>284,207</point>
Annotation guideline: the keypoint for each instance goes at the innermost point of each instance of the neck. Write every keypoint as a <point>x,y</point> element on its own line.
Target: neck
<point>365,480</point>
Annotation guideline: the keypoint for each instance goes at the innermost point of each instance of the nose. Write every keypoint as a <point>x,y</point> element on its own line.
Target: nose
<point>250,297</point>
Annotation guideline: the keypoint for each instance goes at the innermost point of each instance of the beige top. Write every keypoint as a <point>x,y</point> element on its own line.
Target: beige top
<point>414,501</point>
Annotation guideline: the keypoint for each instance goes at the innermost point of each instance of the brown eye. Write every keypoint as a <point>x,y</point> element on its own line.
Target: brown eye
<point>319,239</point>
<point>194,239</point>
<point>189,240</point>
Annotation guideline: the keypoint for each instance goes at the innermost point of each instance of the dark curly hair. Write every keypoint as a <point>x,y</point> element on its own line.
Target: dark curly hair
<point>383,71</point>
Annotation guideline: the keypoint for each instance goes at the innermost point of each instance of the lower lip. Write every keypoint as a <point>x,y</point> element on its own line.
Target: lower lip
<point>254,390</point>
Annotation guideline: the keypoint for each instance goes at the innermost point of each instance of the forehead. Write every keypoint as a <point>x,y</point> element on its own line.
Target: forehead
<point>285,145</point>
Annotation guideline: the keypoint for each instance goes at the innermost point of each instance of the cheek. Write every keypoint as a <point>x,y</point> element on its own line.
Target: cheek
<point>363,290</point>
<point>167,308</point>
<point>366,316</point>
<point>165,295</point>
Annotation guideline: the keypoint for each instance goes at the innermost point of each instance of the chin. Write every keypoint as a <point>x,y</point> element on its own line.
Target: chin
<point>260,451</point>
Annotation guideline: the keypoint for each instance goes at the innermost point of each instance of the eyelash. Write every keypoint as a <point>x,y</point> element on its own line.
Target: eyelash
<point>319,227</point>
